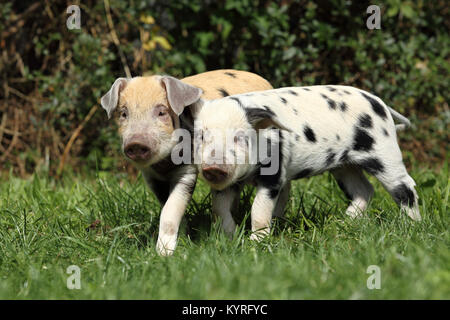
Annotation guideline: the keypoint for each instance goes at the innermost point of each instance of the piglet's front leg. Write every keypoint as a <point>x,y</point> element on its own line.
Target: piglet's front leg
<point>261,214</point>
<point>172,213</point>
<point>222,202</point>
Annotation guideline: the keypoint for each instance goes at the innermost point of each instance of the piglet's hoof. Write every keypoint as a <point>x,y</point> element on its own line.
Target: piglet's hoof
<point>165,245</point>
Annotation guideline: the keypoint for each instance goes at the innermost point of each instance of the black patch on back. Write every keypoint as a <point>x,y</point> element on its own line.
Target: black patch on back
<point>372,165</point>
<point>309,134</point>
<point>362,141</point>
<point>257,114</point>
<point>376,106</point>
<point>233,75</point>
<point>283,100</point>
<point>343,106</point>
<point>347,92</point>
<point>293,92</point>
<point>223,92</point>
<point>302,174</point>
<point>344,189</point>
<point>403,195</point>
<point>385,132</point>
<point>365,121</point>
<point>331,89</point>
<point>338,137</point>
<point>331,104</point>
<point>306,89</point>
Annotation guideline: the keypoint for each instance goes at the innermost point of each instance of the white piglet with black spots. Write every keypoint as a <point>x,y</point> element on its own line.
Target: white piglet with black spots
<point>310,130</point>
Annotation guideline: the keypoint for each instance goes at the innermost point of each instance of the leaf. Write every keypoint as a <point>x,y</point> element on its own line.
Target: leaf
<point>147,19</point>
<point>149,45</point>
<point>407,11</point>
<point>162,42</point>
<point>392,11</point>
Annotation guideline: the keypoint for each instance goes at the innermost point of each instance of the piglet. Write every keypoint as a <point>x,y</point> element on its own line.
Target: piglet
<point>304,131</point>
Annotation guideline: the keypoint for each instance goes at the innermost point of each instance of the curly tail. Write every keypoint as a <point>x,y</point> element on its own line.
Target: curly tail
<point>405,123</point>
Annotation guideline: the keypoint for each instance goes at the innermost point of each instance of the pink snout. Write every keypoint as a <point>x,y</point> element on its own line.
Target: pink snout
<point>214,174</point>
<point>137,148</point>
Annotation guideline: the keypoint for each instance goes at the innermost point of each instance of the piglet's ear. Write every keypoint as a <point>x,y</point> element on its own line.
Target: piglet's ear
<point>263,118</point>
<point>111,98</point>
<point>180,94</point>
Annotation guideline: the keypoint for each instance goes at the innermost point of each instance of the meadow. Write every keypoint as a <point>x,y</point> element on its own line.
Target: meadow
<point>107,225</point>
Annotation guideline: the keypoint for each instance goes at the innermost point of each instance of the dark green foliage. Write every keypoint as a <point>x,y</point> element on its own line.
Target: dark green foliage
<point>295,42</point>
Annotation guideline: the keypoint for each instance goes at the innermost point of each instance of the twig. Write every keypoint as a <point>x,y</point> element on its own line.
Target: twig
<point>73,137</point>
<point>2,128</point>
<point>15,136</point>
<point>351,80</point>
<point>20,94</point>
<point>116,39</point>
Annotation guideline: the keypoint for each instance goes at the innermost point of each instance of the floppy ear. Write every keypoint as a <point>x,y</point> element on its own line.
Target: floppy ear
<point>263,118</point>
<point>180,94</point>
<point>111,98</point>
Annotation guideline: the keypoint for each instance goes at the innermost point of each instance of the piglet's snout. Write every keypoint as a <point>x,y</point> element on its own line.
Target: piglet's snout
<point>138,148</point>
<point>214,174</point>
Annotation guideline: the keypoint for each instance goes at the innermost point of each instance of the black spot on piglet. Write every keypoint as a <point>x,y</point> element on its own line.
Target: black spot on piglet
<point>362,141</point>
<point>238,101</point>
<point>376,106</point>
<point>233,75</point>
<point>403,195</point>
<point>330,157</point>
<point>309,134</point>
<point>365,120</point>
<point>223,92</point>
<point>343,106</point>
<point>372,165</point>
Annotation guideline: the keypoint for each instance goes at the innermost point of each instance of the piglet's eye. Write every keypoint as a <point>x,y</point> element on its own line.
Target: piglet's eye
<point>123,114</point>
<point>161,111</point>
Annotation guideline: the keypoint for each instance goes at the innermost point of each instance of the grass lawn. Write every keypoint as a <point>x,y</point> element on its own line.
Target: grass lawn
<point>316,252</point>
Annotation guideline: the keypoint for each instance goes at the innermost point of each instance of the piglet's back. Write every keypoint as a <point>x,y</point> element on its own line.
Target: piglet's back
<point>221,83</point>
<point>325,109</point>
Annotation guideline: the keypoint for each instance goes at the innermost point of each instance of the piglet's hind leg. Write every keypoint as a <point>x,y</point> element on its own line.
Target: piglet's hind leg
<point>356,188</point>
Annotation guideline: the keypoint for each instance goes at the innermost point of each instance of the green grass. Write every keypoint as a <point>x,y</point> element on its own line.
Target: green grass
<point>316,252</point>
